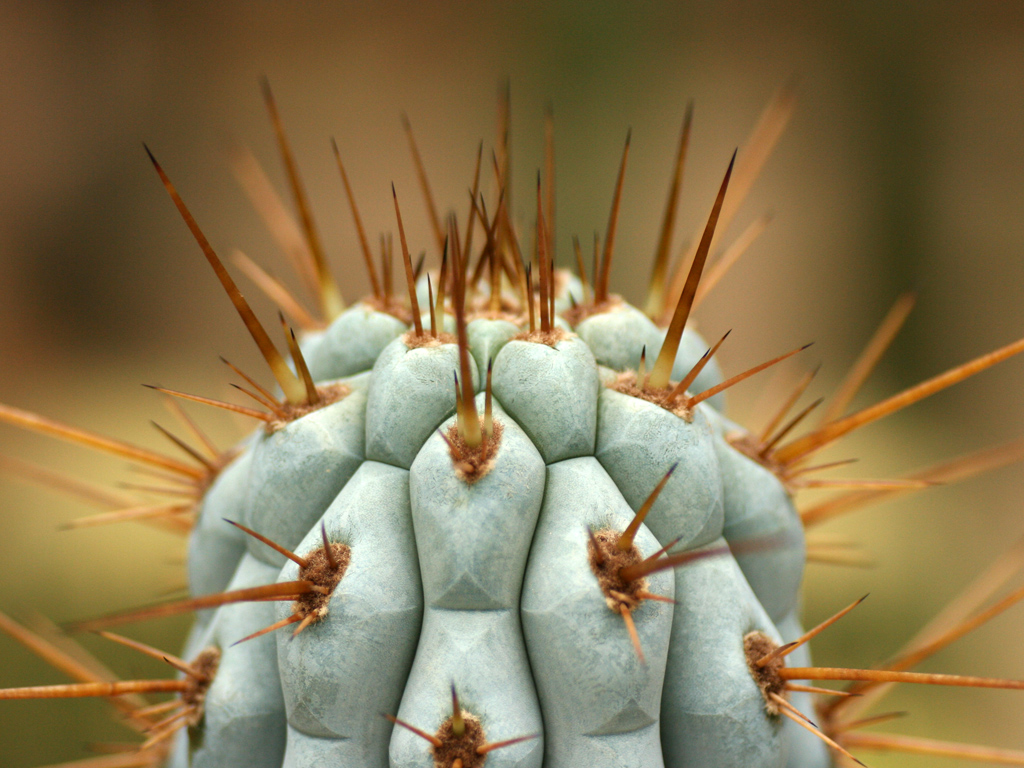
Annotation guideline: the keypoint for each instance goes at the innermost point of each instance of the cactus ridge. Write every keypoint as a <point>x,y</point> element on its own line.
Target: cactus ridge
<point>504,522</point>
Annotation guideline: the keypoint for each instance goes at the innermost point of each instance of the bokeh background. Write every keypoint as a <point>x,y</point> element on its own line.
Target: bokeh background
<point>900,169</point>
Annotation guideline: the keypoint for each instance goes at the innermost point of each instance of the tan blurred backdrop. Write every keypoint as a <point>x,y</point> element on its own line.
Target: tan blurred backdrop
<point>900,169</point>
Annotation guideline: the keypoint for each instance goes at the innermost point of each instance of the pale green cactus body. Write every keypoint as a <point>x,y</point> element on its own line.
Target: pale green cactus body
<point>244,716</point>
<point>351,343</point>
<point>551,392</point>
<point>712,711</point>
<point>579,647</point>
<point>339,675</point>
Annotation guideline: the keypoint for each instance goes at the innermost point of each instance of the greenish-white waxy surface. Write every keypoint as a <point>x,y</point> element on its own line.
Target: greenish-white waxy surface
<point>296,471</point>
<point>712,711</point>
<point>618,336</point>
<point>214,548</point>
<point>638,442</point>
<point>342,671</point>
<point>351,343</point>
<point>411,392</point>
<point>473,538</point>
<point>244,721</point>
<point>551,392</point>
<point>764,526</point>
<point>580,649</point>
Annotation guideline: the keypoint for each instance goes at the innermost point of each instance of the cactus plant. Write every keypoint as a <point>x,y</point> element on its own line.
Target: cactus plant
<point>503,520</point>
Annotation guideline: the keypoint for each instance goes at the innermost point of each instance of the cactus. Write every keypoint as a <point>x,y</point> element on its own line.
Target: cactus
<point>504,520</point>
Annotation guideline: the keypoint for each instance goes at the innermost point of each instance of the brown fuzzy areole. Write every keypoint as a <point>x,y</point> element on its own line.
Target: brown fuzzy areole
<point>470,463</point>
<point>205,666</point>
<point>425,340</point>
<point>460,747</point>
<point>329,394</point>
<point>626,384</point>
<point>320,572</point>
<point>606,561</point>
<point>757,645</point>
<point>551,338</point>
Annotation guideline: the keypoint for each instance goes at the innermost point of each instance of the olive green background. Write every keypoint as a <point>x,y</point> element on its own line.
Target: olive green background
<point>900,169</point>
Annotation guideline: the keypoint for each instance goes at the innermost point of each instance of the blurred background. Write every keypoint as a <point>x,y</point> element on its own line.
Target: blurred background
<point>900,169</point>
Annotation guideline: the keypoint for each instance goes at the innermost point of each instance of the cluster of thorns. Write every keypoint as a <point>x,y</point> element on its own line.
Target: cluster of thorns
<point>522,291</point>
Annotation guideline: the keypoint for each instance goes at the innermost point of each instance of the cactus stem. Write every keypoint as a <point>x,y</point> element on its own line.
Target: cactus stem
<point>656,286</point>
<point>667,356</point>
<point>275,291</point>
<point>869,357</point>
<point>364,244</point>
<point>422,734</point>
<point>300,561</point>
<point>625,542</point>
<point>330,297</point>
<point>731,255</point>
<point>829,433</point>
<point>407,261</point>
<point>421,175</point>
<point>601,280</point>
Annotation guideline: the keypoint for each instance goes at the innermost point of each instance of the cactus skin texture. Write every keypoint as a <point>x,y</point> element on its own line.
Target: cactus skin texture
<point>467,527</point>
